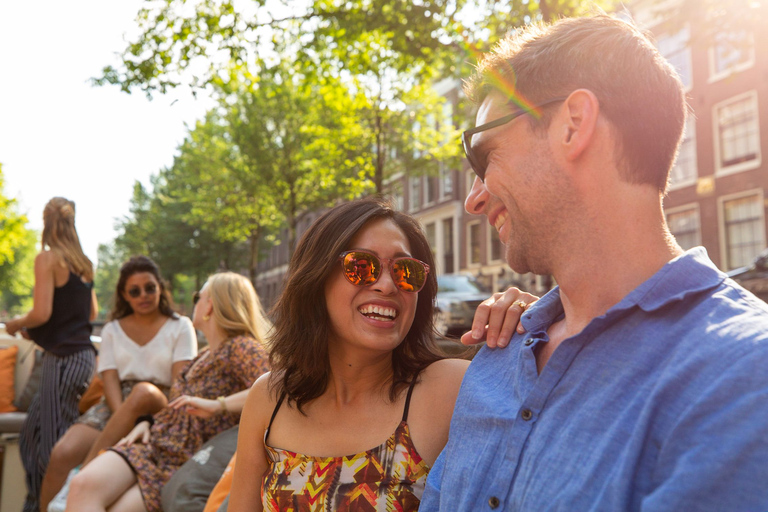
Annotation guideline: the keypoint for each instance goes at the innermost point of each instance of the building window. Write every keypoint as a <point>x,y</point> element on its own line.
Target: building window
<point>469,180</point>
<point>732,52</point>
<point>744,230</point>
<point>448,245</point>
<point>416,130</point>
<point>737,136</point>
<point>414,198</point>
<point>675,48</point>
<point>431,186</point>
<point>473,243</point>
<point>396,194</point>
<point>497,249</point>
<point>446,181</point>
<point>684,171</point>
<point>431,236</point>
<point>686,227</point>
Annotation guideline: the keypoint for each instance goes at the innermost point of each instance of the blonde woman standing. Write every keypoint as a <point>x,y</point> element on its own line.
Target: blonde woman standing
<point>60,322</point>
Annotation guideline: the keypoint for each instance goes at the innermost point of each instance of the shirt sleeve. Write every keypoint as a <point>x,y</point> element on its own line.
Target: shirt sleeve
<point>185,345</point>
<point>716,457</point>
<point>430,500</point>
<point>107,348</point>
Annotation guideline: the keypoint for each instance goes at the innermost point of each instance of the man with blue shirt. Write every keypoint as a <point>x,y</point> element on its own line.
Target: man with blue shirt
<point>641,382</point>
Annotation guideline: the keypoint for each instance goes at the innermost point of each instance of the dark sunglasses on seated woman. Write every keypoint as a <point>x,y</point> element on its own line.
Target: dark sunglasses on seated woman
<point>363,268</point>
<point>135,292</point>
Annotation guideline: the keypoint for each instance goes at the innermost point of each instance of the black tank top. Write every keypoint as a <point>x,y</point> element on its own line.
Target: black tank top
<point>69,328</point>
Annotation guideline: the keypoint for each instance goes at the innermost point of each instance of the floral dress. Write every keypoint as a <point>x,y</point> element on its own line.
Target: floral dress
<point>388,478</point>
<point>176,435</point>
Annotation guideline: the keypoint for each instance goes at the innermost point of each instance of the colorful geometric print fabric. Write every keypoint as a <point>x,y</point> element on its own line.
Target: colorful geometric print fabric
<point>388,478</point>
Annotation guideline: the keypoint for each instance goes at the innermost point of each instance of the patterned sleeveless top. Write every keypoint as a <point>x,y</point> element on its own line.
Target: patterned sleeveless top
<point>388,478</point>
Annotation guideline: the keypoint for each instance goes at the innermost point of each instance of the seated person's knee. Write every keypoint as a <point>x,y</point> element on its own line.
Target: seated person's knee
<point>64,453</point>
<point>147,398</point>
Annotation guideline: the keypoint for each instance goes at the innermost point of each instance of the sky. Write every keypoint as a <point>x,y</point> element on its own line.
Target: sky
<point>61,136</point>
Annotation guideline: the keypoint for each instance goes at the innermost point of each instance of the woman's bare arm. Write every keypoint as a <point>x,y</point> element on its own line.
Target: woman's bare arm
<point>251,463</point>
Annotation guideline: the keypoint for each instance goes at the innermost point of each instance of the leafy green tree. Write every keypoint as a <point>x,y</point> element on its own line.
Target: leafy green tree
<point>17,254</point>
<point>157,228</point>
<point>110,259</point>
<point>219,191</point>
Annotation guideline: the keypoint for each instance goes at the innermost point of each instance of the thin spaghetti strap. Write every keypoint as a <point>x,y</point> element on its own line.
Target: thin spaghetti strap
<point>274,413</point>
<point>408,398</point>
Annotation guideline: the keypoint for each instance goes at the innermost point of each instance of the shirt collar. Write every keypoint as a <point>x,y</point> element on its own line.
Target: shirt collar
<point>690,273</point>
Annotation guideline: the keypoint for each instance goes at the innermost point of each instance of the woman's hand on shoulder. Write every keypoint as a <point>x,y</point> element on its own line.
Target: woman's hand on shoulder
<point>498,317</point>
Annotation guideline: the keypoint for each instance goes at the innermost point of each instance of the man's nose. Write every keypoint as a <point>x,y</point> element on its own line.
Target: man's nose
<point>477,197</point>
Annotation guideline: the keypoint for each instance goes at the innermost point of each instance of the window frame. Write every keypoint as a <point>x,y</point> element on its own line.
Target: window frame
<point>715,75</point>
<point>724,243</point>
<point>720,169</point>
<point>470,263</point>
<point>689,122</point>
<point>693,207</point>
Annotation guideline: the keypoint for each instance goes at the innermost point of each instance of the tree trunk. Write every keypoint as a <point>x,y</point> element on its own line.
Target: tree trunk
<point>253,260</point>
<point>291,219</point>
<point>378,179</point>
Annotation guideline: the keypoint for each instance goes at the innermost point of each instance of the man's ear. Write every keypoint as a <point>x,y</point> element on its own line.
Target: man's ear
<point>579,126</point>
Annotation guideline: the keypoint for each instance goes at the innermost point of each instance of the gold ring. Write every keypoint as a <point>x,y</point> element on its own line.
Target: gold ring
<point>523,305</point>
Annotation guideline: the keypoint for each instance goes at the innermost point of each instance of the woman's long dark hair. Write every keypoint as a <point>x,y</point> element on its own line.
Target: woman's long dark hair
<point>299,345</point>
<point>137,264</point>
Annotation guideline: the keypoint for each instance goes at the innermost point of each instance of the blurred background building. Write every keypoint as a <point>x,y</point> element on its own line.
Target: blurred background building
<point>717,191</point>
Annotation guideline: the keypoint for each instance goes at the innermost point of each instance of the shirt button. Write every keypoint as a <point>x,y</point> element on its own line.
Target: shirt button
<point>528,342</point>
<point>493,502</point>
<point>526,414</point>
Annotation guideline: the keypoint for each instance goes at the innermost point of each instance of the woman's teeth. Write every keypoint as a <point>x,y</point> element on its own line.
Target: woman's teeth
<point>378,312</point>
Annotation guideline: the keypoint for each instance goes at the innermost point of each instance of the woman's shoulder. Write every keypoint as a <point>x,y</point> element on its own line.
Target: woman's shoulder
<point>262,393</point>
<point>110,327</point>
<point>446,368</point>
<point>179,322</point>
<point>247,342</point>
<point>445,374</point>
<point>47,259</point>
<point>263,387</point>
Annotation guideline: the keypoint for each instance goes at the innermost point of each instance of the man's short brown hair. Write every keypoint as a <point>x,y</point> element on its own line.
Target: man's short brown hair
<point>639,92</point>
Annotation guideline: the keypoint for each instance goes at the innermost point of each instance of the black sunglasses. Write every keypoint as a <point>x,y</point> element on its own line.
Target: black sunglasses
<point>478,162</point>
<point>363,268</point>
<point>135,292</point>
<point>195,298</point>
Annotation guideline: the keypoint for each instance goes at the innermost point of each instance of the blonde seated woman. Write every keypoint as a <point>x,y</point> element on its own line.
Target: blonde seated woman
<point>130,475</point>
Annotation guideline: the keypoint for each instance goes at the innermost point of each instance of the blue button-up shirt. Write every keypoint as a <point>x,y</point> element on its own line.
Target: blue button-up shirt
<point>659,404</point>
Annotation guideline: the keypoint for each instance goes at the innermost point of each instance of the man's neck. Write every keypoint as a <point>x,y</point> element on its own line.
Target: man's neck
<point>608,258</point>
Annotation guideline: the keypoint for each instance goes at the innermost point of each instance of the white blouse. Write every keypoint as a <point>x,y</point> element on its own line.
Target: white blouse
<point>175,341</point>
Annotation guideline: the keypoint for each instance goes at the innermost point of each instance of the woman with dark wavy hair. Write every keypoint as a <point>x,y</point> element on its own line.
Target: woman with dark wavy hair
<point>144,346</point>
<point>355,370</point>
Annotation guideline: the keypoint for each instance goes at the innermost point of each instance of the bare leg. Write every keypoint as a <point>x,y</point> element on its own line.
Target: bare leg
<point>103,482</point>
<point>130,501</point>
<point>145,398</point>
<point>68,452</point>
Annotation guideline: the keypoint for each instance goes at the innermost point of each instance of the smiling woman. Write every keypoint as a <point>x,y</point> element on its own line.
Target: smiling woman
<point>355,367</point>
<point>355,371</point>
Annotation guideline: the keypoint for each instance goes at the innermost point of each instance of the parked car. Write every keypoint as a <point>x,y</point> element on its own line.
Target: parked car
<point>458,296</point>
